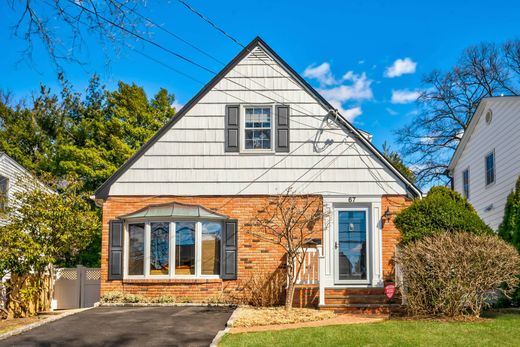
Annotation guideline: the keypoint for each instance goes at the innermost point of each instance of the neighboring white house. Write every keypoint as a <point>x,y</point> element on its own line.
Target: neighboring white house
<point>12,176</point>
<point>486,164</point>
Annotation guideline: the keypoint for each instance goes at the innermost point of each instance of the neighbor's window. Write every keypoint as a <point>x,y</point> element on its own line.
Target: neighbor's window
<point>210,258</point>
<point>257,128</point>
<point>4,193</point>
<point>159,248</point>
<point>490,168</point>
<point>465,183</point>
<point>136,249</point>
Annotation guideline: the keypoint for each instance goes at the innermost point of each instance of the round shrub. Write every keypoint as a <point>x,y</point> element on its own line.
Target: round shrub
<point>456,274</point>
<point>442,210</point>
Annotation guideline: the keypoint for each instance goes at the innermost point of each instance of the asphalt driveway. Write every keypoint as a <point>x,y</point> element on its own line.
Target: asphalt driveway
<point>129,326</point>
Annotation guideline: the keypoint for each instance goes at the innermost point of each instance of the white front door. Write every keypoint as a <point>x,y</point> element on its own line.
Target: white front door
<point>351,246</point>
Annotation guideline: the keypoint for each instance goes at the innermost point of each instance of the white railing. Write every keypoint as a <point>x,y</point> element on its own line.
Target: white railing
<point>309,271</point>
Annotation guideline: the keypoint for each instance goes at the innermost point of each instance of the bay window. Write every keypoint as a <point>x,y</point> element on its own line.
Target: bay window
<point>193,247</point>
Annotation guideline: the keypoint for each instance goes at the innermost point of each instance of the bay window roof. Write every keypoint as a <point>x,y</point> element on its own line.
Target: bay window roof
<point>173,210</point>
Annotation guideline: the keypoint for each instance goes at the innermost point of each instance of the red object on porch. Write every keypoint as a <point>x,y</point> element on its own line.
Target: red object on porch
<point>390,290</point>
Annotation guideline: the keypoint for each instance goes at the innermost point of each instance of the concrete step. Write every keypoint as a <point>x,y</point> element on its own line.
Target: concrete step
<point>354,291</point>
<point>377,309</point>
<point>356,299</point>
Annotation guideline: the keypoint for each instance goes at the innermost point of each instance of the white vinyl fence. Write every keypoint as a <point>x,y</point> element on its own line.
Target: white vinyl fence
<point>76,287</point>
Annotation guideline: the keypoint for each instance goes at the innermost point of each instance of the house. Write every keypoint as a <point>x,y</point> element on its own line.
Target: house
<point>486,165</point>
<point>175,214</point>
<point>14,178</point>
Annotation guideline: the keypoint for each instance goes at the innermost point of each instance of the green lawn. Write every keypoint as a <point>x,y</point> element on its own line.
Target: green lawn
<point>500,330</point>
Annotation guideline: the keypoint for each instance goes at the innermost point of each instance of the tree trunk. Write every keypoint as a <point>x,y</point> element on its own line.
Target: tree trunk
<point>289,295</point>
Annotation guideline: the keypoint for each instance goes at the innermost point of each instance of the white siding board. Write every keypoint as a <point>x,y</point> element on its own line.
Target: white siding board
<point>502,136</point>
<point>189,159</point>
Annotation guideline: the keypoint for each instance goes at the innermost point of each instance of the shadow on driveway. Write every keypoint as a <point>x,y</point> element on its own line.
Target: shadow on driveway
<point>129,326</point>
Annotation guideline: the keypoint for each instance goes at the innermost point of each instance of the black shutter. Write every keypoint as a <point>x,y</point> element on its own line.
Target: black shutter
<point>228,263</point>
<point>115,250</point>
<point>232,135</point>
<point>282,128</point>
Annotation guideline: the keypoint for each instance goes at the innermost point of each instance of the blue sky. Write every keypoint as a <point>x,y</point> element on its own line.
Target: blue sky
<point>368,57</point>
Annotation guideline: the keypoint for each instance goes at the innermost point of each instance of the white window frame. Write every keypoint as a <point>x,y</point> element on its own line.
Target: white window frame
<point>368,259</point>
<point>494,168</point>
<point>171,249</point>
<point>243,129</point>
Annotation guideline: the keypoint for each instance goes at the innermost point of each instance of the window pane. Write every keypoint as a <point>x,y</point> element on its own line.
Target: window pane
<point>136,249</point>
<point>490,168</point>
<point>185,248</point>
<point>211,236</point>
<point>258,139</point>
<point>352,244</point>
<point>159,248</point>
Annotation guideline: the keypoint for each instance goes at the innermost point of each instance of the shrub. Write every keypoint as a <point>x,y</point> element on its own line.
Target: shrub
<point>263,290</point>
<point>442,210</point>
<point>456,274</point>
<point>121,297</point>
<point>509,230</point>
<point>164,299</point>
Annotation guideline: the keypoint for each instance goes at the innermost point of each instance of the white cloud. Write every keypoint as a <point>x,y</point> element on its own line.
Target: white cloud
<point>391,112</point>
<point>359,89</point>
<point>350,114</point>
<point>321,73</point>
<point>404,96</point>
<point>401,67</point>
<point>338,91</point>
<point>177,106</point>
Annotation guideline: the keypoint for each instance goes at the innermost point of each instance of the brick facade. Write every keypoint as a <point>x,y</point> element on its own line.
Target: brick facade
<point>394,203</point>
<point>255,257</point>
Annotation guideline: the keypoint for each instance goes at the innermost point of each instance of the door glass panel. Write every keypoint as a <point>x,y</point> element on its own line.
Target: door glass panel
<point>136,249</point>
<point>211,235</point>
<point>185,248</point>
<point>352,245</point>
<point>159,248</point>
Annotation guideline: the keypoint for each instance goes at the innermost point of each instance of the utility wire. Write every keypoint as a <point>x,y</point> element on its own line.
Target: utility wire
<point>207,20</point>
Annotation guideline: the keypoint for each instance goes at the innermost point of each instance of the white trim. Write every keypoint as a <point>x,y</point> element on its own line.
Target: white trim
<point>242,129</point>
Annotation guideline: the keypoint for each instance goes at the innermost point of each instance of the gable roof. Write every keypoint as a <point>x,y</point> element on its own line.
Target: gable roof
<point>103,191</point>
<point>472,124</point>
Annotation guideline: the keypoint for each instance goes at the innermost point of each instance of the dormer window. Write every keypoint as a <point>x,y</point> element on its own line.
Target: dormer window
<point>258,128</point>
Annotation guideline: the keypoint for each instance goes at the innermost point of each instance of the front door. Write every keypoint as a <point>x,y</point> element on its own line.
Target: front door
<point>351,246</point>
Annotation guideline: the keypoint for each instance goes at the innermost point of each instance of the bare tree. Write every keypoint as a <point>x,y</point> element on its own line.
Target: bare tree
<point>289,221</point>
<point>61,26</point>
<point>449,100</point>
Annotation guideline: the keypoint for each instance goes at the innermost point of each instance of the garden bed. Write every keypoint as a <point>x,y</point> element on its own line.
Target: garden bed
<point>257,316</point>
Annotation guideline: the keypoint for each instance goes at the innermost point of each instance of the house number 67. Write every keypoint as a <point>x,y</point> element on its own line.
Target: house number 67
<point>351,199</point>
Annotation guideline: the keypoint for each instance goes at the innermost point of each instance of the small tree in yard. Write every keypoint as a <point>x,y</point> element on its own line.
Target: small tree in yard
<point>288,221</point>
<point>45,228</point>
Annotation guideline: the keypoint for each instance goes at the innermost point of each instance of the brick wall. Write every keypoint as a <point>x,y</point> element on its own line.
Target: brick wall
<point>390,238</point>
<point>255,256</point>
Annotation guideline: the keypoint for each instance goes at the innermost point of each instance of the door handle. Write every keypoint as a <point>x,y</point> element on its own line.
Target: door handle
<point>336,245</point>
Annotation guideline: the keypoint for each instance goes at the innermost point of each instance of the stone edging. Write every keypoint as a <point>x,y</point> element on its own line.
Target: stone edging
<point>31,326</point>
<point>229,324</point>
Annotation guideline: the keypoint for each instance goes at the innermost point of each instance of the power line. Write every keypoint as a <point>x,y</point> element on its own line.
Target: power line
<point>171,33</point>
<point>207,20</point>
<point>140,37</point>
